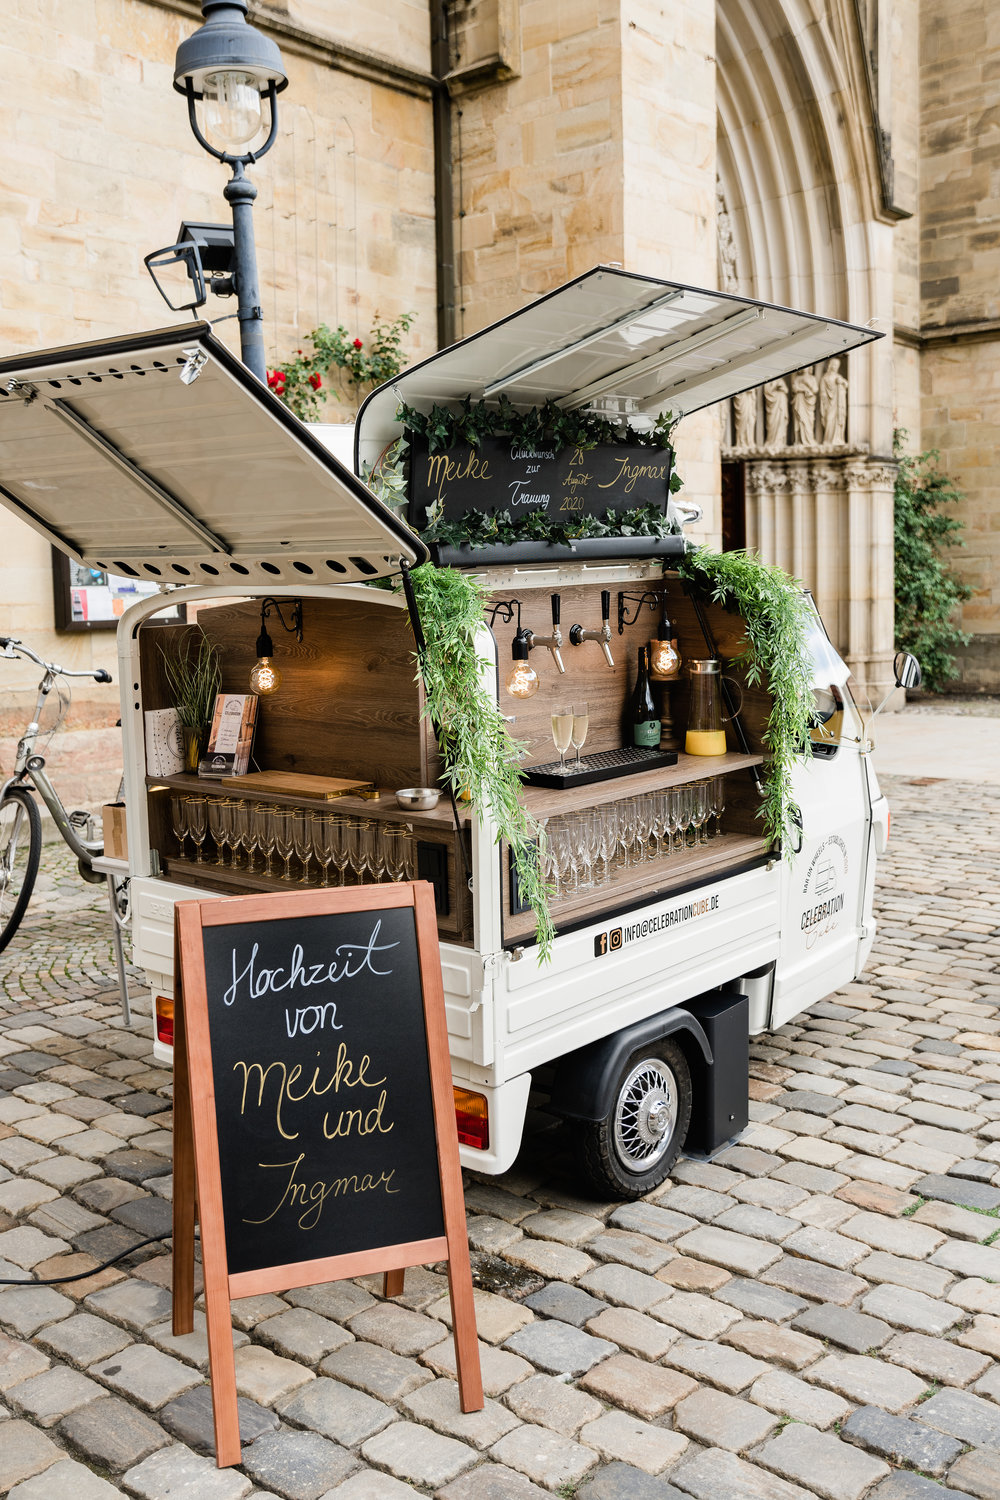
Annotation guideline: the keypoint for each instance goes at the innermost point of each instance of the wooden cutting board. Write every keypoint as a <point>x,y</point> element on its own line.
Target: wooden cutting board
<point>294,784</point>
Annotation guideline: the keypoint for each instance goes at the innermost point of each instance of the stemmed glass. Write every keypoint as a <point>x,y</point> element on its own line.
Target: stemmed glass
<point>683,795</point>
<point>397,847</point>
<point>239,830</point>
<point>717,803</point>
<point>302,840</point>
<point>178,820</point>
<point>341,844</point>
<point>562,732</point>
<point>281,822</point>
<point>263,825</point>
<point>217,828</point>
<point>197,823</point>
<point>321,828</point>
<point>578,732</point>
<point>701,810</point>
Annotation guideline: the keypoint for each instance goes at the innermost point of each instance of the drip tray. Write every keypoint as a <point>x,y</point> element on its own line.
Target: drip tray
<point>606,765</point>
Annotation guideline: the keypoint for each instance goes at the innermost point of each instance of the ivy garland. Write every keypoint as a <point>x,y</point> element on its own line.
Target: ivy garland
<point>478,528</point>
<point>547,426</point>
<point>778,622</point>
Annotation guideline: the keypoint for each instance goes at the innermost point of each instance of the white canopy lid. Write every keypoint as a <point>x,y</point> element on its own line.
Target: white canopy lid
<point>160,456</point>
<point>612,333</point>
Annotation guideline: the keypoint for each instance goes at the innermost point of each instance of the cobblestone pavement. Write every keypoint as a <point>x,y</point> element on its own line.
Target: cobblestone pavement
<point>816,1312</point>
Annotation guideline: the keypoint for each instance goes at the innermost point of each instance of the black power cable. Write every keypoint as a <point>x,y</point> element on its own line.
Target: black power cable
<point>83,1275</point>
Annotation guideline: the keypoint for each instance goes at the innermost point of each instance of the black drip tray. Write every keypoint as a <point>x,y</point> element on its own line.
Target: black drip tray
<point>606,765</point>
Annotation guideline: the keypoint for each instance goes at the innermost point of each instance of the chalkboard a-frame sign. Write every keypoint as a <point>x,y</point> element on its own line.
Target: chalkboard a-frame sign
<point>313,1106</point>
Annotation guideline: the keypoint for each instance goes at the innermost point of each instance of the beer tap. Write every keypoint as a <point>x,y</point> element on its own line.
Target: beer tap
<point>553,641</point>
<point>578,635</point>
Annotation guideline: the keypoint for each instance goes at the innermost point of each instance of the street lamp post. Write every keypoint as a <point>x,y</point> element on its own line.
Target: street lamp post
<point>231,69</point>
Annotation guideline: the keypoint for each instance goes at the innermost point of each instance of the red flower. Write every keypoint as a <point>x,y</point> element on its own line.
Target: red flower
<point>357,343</point>
<point>315,381</point>
<point>276,380</point>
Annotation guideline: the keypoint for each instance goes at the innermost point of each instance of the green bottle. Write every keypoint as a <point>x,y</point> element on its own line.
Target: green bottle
<point>645,720</point>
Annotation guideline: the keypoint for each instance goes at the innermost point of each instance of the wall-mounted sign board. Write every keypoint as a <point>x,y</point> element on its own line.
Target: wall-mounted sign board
<point>313,1106</point>
<point>501,474</point>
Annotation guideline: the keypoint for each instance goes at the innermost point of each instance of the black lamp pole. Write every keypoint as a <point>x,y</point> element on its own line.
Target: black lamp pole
<point>232,68</point>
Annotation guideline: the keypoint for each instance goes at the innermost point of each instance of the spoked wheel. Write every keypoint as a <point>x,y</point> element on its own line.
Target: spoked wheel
<point>20,852</point>
<point>632,1149</point>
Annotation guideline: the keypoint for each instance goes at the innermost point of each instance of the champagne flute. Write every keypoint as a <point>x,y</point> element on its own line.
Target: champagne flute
<point>340,842</point>
<point>321,829</point>
<point>263,815</point>
<point>562,732</point>
<point>302,841</point>
<point>178,820</point>
<point>578,733</point>
<point>197,823</point>
<point>398,855</point>
<point>281,822</point>
<point>717,804</point>
<point>217,829</point>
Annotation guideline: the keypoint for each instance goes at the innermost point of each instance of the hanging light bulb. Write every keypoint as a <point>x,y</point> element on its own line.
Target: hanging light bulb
<point>264,676</point>
<point>664,657</point>
<point>522,679</point>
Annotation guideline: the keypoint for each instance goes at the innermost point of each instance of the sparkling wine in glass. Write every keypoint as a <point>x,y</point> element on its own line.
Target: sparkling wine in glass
<point>578,734</point>
<point>562,732</point>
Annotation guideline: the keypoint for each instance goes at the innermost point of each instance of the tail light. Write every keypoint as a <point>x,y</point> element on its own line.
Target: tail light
<point>164,1020</point>
<point>472,1115</point>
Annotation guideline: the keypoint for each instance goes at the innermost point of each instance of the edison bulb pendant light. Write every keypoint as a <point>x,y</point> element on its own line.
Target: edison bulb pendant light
<point>664,657</point>
<point>265,677</point>
<point>522,680</point>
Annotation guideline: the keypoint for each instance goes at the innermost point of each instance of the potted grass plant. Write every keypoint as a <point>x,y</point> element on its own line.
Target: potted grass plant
<point>194,677</point>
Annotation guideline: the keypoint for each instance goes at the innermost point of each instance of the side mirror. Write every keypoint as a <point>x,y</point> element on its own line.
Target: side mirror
<point>906,670</point>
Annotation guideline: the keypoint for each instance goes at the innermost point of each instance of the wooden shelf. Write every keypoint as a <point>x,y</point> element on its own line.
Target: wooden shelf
<point>238,882</point>
<point>546,802</point>
<point>382,808</point>
<point>646,882</point>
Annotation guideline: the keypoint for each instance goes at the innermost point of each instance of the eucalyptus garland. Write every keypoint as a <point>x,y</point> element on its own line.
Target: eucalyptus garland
<point>478,528</point>
<point>778,620</point>
<point>547,426</point>
<point>478,753</point>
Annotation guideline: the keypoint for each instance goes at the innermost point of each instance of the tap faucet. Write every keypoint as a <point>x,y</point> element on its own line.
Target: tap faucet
<point>555,640</point>
<point>578,635</point>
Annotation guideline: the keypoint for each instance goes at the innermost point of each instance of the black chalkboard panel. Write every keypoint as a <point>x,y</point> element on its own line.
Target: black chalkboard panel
<point>503,475</point>
<point>322,1091</point>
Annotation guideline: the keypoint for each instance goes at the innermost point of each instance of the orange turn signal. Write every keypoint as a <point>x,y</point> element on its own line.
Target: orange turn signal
<point>472,1115</point>
<point>164,1020</point>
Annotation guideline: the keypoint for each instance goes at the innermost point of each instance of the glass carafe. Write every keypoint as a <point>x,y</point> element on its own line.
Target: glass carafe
<point>705,734</point>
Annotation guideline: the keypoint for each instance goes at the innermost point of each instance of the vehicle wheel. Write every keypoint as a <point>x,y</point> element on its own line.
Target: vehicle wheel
<point>633,1148</point>
<point>20,852</point>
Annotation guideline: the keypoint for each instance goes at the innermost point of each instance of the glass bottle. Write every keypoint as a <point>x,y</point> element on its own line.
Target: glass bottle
<point>643,717</point>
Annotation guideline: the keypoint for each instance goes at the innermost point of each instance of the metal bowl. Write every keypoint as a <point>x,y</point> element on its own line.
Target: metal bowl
<point>418,798</point>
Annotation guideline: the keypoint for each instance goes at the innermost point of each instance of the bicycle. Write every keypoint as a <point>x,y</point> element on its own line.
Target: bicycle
<point>20,820</point>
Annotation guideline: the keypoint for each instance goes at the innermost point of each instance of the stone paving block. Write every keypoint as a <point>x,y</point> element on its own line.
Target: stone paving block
<point>190,1419</point>
<point>547,1402</point>
<point>570,1304</point>
<point>983,1334</point>
<point>397,1328</point>
<point>958,1190</point>
<point>651,1220</point>
<point>989,1385</point>
<point>958,1223</point>
<point>780,1346</point>
<point>299,1465</point>
<point>964,1416</point>
<point>618,1481</point>
<point>560,1224</point>
<point>559,1348</point>
<point>135,1304</point>
<point>648,1390</point>
<point>26,1246</point>
<point>22,1194</point>
<point>970,1260</point>
<point>842,1325</point>
<point>760,1301</point>
<point>63,1172</point>
<point>107,1194</point>
<point>630,1249</point>
<point>111,1433</point>
<point>146,1375</point>
<point>939,1360</point>
<point>265,1376</point>
<point>488,1198</point>
<point>65,1480</point>
<point>135,1164</point>
<point>977,1473</point>
<point>46,1398</point>
<point>624,1287</point>
<point>788,1396</point>
<point>25,1452</point>
<point>616,1435</point>
<point>437,1405</point>
<point>911,1310</point>
<point>496,1317</point>
<point>550,1259</point>
<point>867,1381</point>
<point>338,1300</point>
<point>720,1421</point>
<point>372,1484</point>
<point>700,1317</point>
<point>19,1361</point>
<point>422,1287</point>
<point>24,1310</point>
<point>829,1467</point>
<point>915,1275</point>
<point>177,1472</point>
<point>897,1236</point>
<point>758,1222</point>
<point>769,1192</point>
<point>634,1331</point>
<point>335,1411</point>
<point>247,1312</point>
<point>714,1474</point>
<point>900,1441</point>
<point>817,1282</point>
<point>191,1347</point>
<point>303,1335</point>
<point>492,1235</point>
<point>414,1453</point>
<point>720,1366</point>
<point>739,1253</point>
<point>378,1371</point>
<point>689,1275</point>
<point>903,1485</point>
<point>694,1202</point>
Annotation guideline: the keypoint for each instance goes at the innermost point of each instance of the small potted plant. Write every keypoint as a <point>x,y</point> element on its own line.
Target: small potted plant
<point>194,678</point>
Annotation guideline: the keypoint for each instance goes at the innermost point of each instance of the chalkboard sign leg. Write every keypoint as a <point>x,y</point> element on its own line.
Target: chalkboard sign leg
<point>463,1322</point>
<point>184,1182</point>
<point>223,1369</point>
<point>392,1283</point>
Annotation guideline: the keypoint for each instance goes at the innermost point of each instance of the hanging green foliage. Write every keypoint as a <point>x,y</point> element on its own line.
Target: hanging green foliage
<point>547,426</point>
<point>498,528</point>
<point>927,592</point>
<point>778,620</point>
<point>478,753</point>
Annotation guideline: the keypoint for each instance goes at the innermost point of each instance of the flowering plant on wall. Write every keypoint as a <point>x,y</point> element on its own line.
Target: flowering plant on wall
<point>337,355</point>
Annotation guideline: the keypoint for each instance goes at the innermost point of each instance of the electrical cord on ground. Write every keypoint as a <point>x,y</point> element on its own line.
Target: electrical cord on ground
<point>83,1275</point>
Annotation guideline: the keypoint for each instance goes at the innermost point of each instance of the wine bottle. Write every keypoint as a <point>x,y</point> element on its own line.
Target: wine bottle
<point>643,716</point>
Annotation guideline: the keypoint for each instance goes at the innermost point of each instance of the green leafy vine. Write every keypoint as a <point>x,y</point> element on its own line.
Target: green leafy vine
<point>778,620</point>
<point>928,593</point>
<point>546,426</point>
<point>478,528</point>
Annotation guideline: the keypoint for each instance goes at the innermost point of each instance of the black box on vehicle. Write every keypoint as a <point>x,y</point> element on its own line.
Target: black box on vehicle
<point>720,1106</point>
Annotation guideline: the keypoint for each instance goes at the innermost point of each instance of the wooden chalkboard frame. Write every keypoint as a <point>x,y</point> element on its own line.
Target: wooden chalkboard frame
<point>197,1173</point>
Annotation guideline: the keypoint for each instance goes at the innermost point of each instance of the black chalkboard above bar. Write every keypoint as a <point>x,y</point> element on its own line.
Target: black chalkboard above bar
<point>505,475</point>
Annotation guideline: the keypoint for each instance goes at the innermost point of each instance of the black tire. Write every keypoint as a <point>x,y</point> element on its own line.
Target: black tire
<point>20,852</point>
<point>632,1149</point>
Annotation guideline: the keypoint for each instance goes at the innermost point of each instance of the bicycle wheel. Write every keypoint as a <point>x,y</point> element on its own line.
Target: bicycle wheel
<point>20,852</point>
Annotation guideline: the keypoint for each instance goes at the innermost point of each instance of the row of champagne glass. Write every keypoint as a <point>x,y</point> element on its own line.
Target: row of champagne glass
<point>585,849</point>
<point>240,834</point>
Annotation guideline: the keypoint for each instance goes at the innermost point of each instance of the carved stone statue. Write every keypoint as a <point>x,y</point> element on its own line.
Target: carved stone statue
<point>745,419</point>
<point>833,406</point>
<point>776,414</point>
<point>805,388</point>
